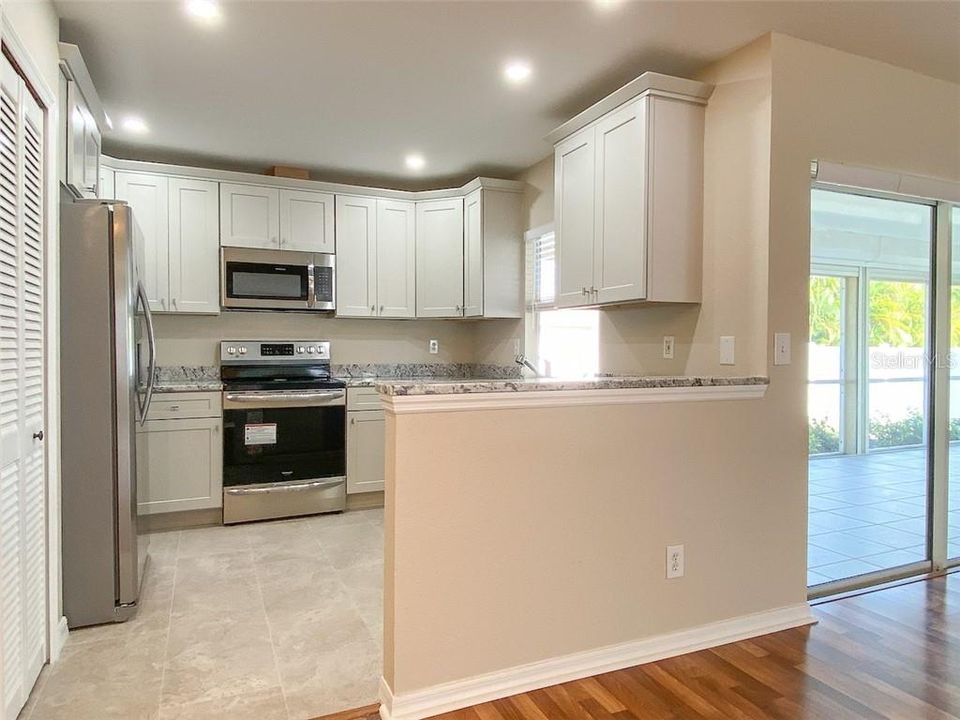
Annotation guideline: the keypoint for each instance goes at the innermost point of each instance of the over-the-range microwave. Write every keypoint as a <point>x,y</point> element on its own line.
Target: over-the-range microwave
<point>277,280</point>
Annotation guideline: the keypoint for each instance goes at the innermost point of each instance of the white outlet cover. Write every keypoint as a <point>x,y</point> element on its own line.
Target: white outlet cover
<point>674,561</point>
<point>728,344</point>
<point>781,349</point>
<point>669,343</point>
<point>434,347</point>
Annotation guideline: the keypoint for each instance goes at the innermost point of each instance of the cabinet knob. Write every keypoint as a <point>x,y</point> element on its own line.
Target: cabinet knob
<point>373,308</point>
<point>163,303</point>
<point>38,435</point>
<point>174,408</point>
<point>353,421</point>
<point>174,302</point>
<point>381,308</point>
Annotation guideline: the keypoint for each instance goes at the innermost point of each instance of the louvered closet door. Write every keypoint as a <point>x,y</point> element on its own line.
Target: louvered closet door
<point>22,504</point>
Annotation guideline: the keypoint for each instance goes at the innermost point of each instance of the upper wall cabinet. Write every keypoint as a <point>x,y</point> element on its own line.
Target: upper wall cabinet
<point>253,216</point>
<point>376,257</point>
<point>440,258</point>
<point>178,253</point>
<point>83,119</point>
<point>629,196</point>
<point>492,254</point>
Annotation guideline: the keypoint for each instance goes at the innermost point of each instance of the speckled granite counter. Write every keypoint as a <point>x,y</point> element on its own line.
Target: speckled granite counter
<point>467,386</point>
<point>185,378</point>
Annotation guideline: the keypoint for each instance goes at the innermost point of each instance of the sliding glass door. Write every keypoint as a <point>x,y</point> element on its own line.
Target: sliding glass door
<point>869,384</point>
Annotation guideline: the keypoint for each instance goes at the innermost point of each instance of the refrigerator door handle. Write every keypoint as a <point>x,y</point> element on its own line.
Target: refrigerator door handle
<point>152,341</point>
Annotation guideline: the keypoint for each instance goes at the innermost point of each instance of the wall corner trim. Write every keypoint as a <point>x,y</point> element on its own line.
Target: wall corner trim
<point>523,678</point>
<point>58,638</point>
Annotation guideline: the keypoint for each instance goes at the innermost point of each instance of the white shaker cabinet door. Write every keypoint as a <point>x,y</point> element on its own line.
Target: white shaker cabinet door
<point>306,221</point>
<point>356,256</point>
<point>574,218</point>
<point>249,216</point>
<point>179,465</point>
<point>440,258</point>
<point>473,254</point>
<point>620,250</point>
<point>147,195</point>
<point>366,438</point>
<point>194,246</point>
<point>396,259</point>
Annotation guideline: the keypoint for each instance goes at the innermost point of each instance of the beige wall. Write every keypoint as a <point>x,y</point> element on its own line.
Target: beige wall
<point>37,26</point>
<point>194,340</point>
<point>527,534</point>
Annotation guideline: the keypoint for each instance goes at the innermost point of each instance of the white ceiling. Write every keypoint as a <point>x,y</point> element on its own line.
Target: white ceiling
<point>347,89</point>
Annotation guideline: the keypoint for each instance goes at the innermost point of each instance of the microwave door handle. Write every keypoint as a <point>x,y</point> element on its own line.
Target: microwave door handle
<point>152,342</point>
<point>311,287</point>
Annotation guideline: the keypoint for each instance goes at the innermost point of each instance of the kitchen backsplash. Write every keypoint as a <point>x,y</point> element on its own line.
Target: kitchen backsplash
<point>189,374</point>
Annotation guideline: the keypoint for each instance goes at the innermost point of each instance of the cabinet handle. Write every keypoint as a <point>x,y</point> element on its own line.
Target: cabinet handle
<point>163,303</point>
<point>373,308</point>
<point>174,408</point>
<point>174,302</point>
<point>353,421</point>
<point>381,308</point>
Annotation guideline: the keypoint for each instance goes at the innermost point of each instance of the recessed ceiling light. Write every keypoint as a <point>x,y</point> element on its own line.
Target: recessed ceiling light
<point>607,4</point>
<point>415,161</point>
<point>517,72</point>
<point>206,11</point>
<point>134,124</point>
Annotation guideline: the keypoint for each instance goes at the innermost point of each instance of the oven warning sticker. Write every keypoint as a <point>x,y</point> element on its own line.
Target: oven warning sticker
<point>260,434</point>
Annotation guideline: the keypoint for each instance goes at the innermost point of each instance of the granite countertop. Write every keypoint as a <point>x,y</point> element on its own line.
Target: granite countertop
<point>161,386</point>
<point>422,386</point>
<point>186,378</point>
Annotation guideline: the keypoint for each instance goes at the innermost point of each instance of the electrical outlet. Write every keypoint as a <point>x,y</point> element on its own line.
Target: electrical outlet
<point>728,350</point>
<point>674,561</point>
<point>668,341</point>
<point>781,348</point>
<point>434,347</point>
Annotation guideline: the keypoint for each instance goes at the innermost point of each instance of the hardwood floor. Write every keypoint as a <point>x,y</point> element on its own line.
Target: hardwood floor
<point>893,654</point>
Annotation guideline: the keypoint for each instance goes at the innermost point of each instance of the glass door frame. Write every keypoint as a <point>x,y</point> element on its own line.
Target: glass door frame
<point>937,399</point>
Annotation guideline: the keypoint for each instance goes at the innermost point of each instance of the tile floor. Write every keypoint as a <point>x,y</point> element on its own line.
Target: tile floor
<point>268,621</point>
<point>868,512</point>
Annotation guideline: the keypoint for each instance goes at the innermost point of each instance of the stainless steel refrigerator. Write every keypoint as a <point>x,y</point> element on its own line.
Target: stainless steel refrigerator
<point>107,368</point>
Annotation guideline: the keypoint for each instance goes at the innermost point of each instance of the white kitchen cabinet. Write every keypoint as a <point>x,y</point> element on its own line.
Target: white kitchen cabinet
<point>440,258</point>
<point>147,195</point>
<point>492,254</point>
<point>366,440</point>
<point>194,249</point>
<point>306,221</point>
<point>629,204</point>
<point>397,278</point>
<point>356,228</point>
<point>83,145</point>
<point>106,187</point>
<point>180,455</point>
<point>574,217</point>
<point>178,255</point>
<point>249,216</point>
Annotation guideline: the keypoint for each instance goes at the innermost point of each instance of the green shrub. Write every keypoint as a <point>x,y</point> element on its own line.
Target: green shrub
<point>823,438</point>
<point>887,433</point>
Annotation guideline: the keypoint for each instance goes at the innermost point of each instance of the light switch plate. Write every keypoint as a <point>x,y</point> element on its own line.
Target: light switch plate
<point>781,348</point>
<point>727,350</point>
<point>668,343</point>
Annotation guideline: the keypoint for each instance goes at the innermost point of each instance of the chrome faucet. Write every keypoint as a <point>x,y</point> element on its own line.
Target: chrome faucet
<point>522,361</point>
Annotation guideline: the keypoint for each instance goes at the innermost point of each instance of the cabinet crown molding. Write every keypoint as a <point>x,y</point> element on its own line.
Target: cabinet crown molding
<point>650,83</point>
<point>231,176</point>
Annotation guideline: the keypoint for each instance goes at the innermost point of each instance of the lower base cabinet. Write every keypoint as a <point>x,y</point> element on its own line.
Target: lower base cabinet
<point>366,439</point>
<point>180,454</point>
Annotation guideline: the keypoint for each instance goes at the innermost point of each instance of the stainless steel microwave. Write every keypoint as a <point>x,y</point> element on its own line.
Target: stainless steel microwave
<point>277,280</point>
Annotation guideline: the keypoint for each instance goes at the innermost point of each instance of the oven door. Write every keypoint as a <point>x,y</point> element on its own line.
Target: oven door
<point>266,279</point>
<point>284,453</point>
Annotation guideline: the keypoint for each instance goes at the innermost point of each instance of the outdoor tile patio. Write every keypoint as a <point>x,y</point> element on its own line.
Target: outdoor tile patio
<point>868,512</point>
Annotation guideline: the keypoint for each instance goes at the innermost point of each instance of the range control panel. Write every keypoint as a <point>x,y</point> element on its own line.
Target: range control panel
<point>274,350</point>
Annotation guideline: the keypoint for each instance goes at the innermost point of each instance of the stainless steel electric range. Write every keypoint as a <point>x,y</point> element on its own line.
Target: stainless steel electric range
<point>284,420</point>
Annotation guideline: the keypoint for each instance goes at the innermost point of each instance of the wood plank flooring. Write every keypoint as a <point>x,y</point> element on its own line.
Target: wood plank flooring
<point>892,654</point>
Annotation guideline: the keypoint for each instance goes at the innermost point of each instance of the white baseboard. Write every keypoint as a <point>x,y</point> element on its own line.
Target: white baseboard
<point>58,638</point>
<point>523,678</point>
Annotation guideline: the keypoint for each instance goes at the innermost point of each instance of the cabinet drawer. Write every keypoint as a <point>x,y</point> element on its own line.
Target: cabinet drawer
<point>169,406</point>
<point>363,398</point>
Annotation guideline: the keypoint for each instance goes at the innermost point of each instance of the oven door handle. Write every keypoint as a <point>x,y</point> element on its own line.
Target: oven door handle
<point>286,487</point>
<point>266,397</point>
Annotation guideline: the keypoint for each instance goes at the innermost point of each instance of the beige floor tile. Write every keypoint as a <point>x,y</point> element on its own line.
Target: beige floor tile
<point>213,661</point>
<point>266,705</point>
<point>326,683</point>
<point>295,571</point>
<point>346,552</point>
<point>103,681</point>
<point>313,631</point>
<point>213,540</point>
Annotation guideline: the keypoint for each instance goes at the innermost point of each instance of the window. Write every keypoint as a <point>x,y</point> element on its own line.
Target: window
<point>561,343</point>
